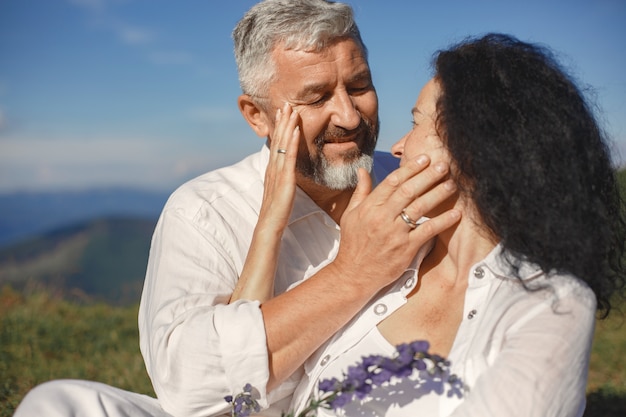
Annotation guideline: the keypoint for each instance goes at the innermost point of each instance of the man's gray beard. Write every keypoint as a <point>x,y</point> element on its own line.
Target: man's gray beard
<point>344,175</point>
<point>341,175</point>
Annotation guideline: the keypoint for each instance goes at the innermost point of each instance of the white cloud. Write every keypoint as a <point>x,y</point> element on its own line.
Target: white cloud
<point>92,5</point>
<point>3,120</point>
<point>37,164</point>
<point>127,33</point>
<point>134,35</point>
<point>171,58</point>
<point>76,162</point>
<point>211,114</point>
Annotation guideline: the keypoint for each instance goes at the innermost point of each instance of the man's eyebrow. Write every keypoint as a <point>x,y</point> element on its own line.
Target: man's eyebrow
<point>360,76</point>
<point>315,88</point>
<point>312,88</point>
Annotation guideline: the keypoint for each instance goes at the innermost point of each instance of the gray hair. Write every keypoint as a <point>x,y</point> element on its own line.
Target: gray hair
<point>308,25</point>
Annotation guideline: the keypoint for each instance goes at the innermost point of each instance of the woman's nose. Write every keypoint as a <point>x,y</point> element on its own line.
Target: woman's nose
<point>397,149</point>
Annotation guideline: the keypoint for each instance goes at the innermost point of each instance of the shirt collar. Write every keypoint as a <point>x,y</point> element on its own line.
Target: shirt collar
<point>504,265</point>
<point>496,261</point>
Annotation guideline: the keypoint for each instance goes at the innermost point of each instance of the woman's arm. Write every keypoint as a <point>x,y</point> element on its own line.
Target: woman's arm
<point>257,277</point>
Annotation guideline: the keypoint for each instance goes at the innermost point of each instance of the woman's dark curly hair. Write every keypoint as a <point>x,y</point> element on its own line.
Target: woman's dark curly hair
<point>528,151</point>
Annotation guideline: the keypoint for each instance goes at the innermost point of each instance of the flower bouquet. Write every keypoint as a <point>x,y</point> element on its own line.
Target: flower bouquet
<point>359,380</point>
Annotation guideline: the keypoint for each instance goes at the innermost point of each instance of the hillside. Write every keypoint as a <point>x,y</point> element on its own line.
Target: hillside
<point>26,214</point>
<point>98,260</point>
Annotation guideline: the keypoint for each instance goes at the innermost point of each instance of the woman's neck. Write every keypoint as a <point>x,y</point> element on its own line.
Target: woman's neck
<point>457,250</point>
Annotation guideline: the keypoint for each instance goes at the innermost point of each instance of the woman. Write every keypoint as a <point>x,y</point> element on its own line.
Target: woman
<point>509,294</point>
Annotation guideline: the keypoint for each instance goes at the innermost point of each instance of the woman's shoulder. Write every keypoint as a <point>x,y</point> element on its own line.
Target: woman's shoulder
<point>527,278</point>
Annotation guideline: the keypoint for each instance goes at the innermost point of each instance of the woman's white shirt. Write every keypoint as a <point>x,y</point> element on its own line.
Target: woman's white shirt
<point>518,352</point>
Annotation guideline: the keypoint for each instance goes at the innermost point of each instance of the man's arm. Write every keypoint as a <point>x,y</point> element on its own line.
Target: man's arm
<point>189,337</point>
<point>198,349</point>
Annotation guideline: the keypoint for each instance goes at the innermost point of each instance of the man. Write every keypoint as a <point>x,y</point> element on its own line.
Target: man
<point>197,346</point>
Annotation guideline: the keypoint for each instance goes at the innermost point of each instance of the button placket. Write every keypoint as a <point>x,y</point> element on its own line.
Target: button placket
<point>380,309</point>
<point>409,282</point>
<point>479,273</point>
<point>325,360</point>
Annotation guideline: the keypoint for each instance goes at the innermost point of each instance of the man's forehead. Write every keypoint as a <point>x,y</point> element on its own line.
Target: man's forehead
<point>315,70</point>
<point>346,53</point>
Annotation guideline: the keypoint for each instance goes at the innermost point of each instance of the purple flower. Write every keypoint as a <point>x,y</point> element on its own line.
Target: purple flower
<point>389,365</point>
<point>328,385</point>
<point>405,354</point>
<point>243,404</point>
<point>359,380</point>
<point>371,360</point>
<point>340,400</point>
<point>419,364</point>
<point>356,377</point>
<point>380,377</point>
<point>420,346</point>
<point>362,391</point>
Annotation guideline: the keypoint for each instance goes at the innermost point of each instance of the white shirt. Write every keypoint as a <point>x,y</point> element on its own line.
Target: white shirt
<point>197,348</point>
<point>518,352</point>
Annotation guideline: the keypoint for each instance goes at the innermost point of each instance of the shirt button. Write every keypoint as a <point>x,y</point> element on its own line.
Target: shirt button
<point>409,282</point>
<point>471,314</point>
<point>479,272</point>
<point>325,360</point>
<point>380,309</point>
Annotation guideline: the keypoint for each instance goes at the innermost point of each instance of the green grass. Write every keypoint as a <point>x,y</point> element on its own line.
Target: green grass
<point>606,388</point>
<point>43,338</point>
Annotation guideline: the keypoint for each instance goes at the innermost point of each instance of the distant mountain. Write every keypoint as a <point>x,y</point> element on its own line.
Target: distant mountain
<point>26,214</point>
<point>68,247</point>
<point>103,260</point>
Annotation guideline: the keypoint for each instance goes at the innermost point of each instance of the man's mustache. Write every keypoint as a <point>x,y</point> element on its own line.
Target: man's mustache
<point>336,133</point>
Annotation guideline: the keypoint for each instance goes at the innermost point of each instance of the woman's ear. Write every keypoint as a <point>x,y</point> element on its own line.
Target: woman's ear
<point>256,116</point>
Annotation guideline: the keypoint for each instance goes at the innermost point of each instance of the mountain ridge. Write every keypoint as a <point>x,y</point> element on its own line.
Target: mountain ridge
<point>27,214</point>
<point>102,259</point>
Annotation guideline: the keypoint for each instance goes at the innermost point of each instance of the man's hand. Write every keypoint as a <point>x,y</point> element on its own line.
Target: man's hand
<point>377,244</point>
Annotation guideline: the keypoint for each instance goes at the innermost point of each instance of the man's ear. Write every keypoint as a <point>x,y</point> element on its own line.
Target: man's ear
<point>256,117</point>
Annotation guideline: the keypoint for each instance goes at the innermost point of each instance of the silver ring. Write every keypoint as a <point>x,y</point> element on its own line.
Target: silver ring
<point>412,224</point>
<point>280,150</point>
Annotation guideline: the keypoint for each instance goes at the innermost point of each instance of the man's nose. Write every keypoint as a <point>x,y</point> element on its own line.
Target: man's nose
<point>344,112</point>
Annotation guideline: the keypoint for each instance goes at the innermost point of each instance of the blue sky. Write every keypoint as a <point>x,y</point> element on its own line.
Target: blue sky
<point>142,93</point>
